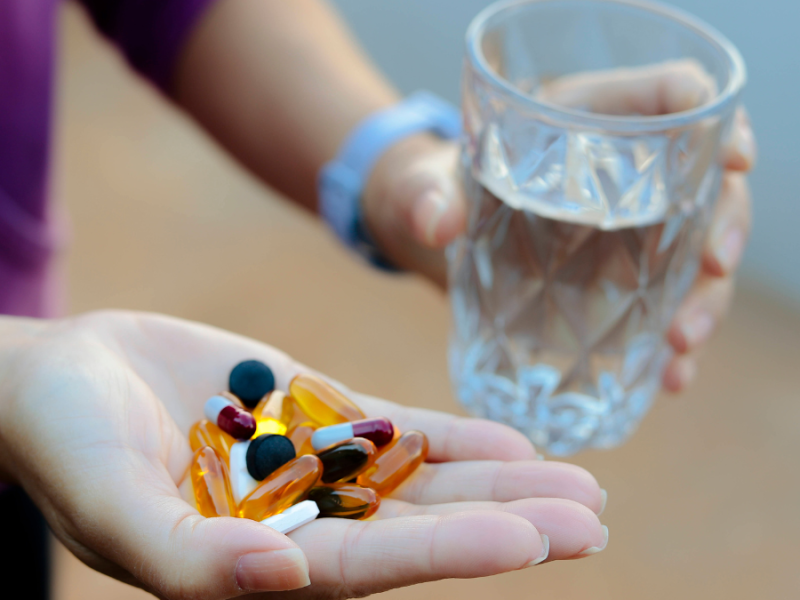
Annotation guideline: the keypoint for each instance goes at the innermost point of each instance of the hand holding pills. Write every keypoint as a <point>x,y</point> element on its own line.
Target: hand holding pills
<point>268,478</point>
<point>102,421</point>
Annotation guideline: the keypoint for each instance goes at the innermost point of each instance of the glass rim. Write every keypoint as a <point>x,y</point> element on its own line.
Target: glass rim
<point>635,123</point>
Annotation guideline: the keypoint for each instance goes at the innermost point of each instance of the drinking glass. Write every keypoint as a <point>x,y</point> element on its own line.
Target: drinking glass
<point>588,206</point>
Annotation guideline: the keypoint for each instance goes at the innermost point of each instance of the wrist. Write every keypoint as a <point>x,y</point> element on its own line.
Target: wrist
<point>412,205</point>
<point>394,137</point>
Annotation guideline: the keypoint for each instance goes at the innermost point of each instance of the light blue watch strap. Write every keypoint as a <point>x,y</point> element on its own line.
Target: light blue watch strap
<point>342,181</point>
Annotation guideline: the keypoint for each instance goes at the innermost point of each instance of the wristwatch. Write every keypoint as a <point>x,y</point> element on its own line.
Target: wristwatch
<point>342,181</point>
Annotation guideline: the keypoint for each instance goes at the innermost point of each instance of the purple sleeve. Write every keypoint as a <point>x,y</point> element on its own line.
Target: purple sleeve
<point>151,33</point>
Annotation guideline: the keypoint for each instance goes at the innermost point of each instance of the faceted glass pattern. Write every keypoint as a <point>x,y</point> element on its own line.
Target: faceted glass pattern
<point>581,243</point>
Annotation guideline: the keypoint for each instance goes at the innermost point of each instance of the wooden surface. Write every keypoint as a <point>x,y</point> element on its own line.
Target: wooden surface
<point>704,500</point>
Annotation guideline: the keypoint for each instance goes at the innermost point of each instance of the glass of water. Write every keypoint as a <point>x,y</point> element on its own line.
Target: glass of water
<point>591,162</point>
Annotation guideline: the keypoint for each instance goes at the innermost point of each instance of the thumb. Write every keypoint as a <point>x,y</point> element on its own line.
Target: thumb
<point>428,200</point>
<point>176,553</point>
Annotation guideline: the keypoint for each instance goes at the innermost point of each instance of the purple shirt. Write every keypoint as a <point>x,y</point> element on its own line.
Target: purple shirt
<point>150,33</point>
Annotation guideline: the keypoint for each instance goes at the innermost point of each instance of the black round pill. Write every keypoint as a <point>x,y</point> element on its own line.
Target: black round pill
<point>250,380</point>
<point>267,453</point>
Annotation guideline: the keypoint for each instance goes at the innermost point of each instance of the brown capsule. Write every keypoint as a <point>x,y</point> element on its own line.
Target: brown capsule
<point>211,484</point>
<point>323,403</point>
<point>346,460</point>
<point>205,433</point>
<point>301,438</point>
<point>345,500</point>
<point>395,463</point>
<point>282,488</point>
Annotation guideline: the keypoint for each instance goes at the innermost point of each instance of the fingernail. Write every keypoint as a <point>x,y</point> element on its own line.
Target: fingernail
<point>603,500</point>
<point>746,144</point>
<point>596,549</point>
<point>728,251</point>
<point>429,210</point>
<point>274,571</point>
<point>697,328</point>
<point>545,552</point>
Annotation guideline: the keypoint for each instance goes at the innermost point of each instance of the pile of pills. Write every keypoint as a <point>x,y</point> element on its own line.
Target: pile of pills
<point>286,459</point>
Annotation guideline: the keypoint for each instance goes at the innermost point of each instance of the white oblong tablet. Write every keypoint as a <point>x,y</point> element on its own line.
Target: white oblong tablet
<point>293,517</point>
<point>242,483</point>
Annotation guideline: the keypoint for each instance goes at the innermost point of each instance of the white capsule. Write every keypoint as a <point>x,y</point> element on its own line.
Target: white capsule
<point>293,517</point>
<point>327,436</point>
<point>242,483</point>
<point>214,406</point>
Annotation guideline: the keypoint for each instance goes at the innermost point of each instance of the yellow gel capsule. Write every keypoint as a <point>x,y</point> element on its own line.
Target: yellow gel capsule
<point>205,433</point>
<point>395,463</point>
<point>211,484</point>
<point>300,417</point>
<point>301,438</point>
<point>323,403</point>
<point>281,489</point>
<point>345,500</point>
<point>274,413</point>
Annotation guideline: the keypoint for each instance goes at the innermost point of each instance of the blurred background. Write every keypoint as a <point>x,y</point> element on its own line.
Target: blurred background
<point>703,501</point>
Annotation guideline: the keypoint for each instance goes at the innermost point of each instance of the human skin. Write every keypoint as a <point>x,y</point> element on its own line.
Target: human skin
<point>94,409</point>
<point>281,84</point>
<point>94,412</point>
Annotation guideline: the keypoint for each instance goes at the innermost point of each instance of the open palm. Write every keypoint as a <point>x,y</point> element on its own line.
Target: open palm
<point>93,425</point>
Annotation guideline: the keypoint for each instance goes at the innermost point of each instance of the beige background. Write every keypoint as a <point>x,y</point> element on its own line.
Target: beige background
<point>703,502</point>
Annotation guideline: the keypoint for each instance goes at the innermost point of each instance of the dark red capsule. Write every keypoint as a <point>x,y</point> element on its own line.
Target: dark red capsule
<point>379,431</point>
<point>230,418</point>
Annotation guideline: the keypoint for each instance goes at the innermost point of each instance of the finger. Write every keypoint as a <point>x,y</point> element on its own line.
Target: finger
<point>500,482</point>
<point>680,373</point>
<point>173,551</point>
<point>572,529</point>
<point>359,558</point>
<point>451,437</point>
<point>700,314</point>
<point>659,89</point>
<point>207,354</point>
<point>730,227</point>
<point>739,153</point>
<point>424,196</point>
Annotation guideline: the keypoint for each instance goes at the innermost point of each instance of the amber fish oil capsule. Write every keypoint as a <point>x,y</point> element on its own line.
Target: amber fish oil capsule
<point>282,489</point>
<point>211,484</point>
<point>205,433</point>
<point>274,413</point>
<point>378,431</point>
<point>230,418</point>
<point>301,438</point>
<point>395,463</point>
<point>322,402</point>
<point>345,500</point>
<point>346,459</point>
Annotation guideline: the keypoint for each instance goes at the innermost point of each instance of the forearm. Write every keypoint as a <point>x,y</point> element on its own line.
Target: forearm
<point>280,84</point>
